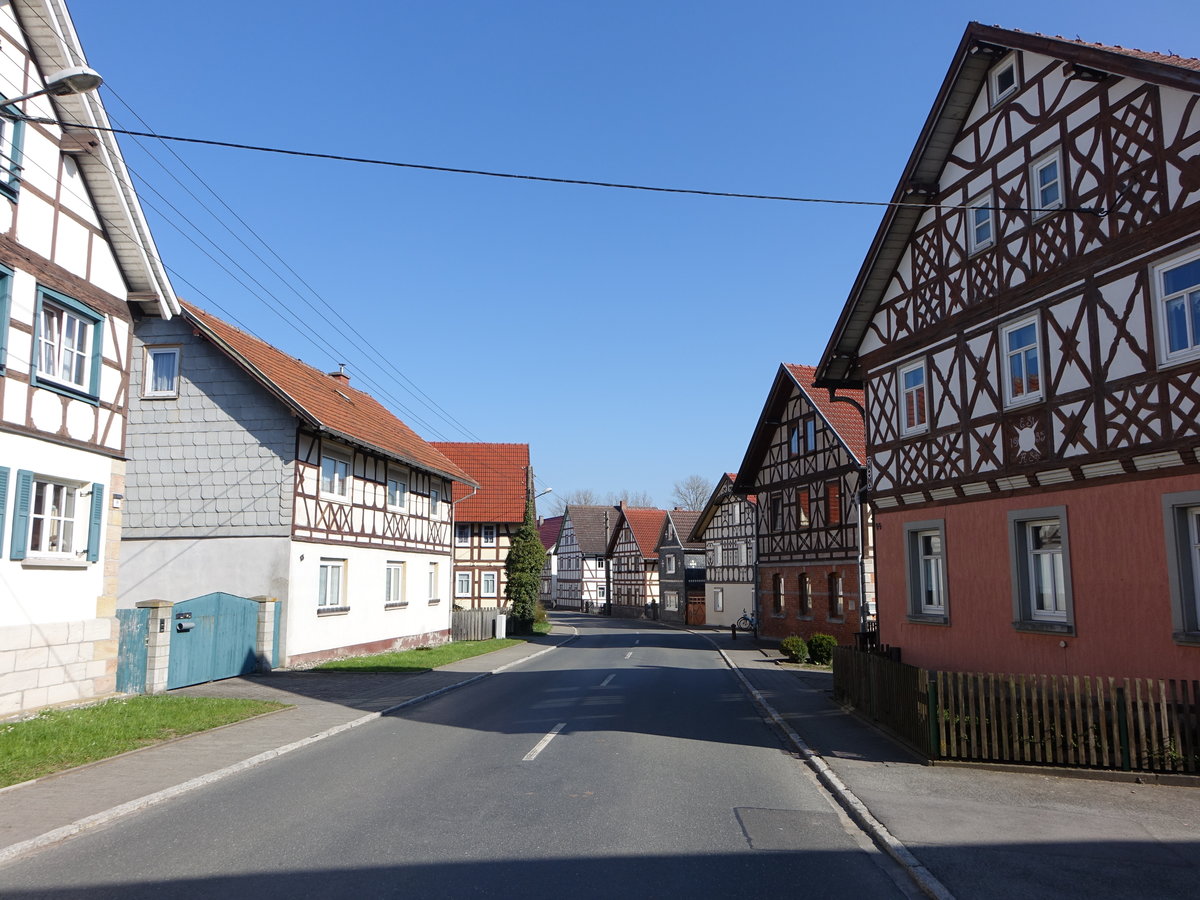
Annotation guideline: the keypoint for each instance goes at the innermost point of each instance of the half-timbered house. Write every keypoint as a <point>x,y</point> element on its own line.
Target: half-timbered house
<point>681,569</point>
<point>254,474</point>
<point>1026,326</point>
<point>583,564</point>
<point>486,518</point>
<point>633,555</point>
<point>77,264</point>
<point>806,464</point>
<point>727,527</point>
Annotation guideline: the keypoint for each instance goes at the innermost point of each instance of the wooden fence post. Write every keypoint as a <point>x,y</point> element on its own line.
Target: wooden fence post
<point>935,716</point>
<point>1123,729</point>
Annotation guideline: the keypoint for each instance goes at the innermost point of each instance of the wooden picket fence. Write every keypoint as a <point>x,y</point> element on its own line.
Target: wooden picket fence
<point>473,624</point>
<point>1134,724</point>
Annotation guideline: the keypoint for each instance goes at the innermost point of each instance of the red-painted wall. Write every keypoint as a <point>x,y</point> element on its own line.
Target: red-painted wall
<point>1118,570</point>
<point>792,622</point>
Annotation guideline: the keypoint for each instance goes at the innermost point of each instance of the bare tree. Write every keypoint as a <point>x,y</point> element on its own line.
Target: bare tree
<point>578,497</point>
<point>631,498</point>
<point>692,493</point>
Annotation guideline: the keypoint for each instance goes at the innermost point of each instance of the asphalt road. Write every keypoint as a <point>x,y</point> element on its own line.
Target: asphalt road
<point>626,764</point>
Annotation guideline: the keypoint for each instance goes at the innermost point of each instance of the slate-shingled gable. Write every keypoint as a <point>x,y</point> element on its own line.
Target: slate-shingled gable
<point>328,403</point>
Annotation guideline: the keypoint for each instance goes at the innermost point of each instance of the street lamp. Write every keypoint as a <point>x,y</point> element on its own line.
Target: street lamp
<point>75,80</point>
<point>543,493</point>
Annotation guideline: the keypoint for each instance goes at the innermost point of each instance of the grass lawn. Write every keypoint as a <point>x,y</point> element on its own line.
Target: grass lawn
<point>420,660</point>
<point>60,739</point>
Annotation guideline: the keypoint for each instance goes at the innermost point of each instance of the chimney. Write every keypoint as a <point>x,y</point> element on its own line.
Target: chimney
<point>340,374</point>
<point>622,504</point>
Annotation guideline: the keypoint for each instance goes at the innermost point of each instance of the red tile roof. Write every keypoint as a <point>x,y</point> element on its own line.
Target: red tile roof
<point>842,417</point>
<point>549,531</point>
<point>1170,59</point>
<point>327,402</point>
<point>646,525</point>
<point>500,469</point>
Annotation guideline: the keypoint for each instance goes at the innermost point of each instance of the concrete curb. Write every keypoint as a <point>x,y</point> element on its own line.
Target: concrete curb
<point>57,835</point>
<point>854,807</point>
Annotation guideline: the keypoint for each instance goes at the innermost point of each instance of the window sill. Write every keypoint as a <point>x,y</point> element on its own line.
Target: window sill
<point>333,610</point>
<point>403,604</point>
<point>928,618</point>
<point>67,390</point>
<point>435,602</point>
<point>805,618</point>
<point>1190,638</point>
<point>53,562</point>
<point>174,395</point>
<point>836,620</point>
<point>1044,627</point>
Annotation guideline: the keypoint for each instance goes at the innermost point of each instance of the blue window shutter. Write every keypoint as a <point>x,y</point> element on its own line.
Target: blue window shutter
<point>3,501</point>
<point>94,532</point>
<point>20,525</point>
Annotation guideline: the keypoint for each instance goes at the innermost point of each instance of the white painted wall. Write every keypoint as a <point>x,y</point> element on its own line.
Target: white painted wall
<point>181,568</point>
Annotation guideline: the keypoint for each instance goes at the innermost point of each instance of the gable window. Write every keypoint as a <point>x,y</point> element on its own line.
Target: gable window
<point>833,503</point>
<point>1002,79</point>
<point>11,137</point>
<point>462,535</point>
<point>1045,185</point>
<point>793,440</point>
<point>331,585</point>
<point>65,342</point>
<point>1182,519</point>
<point>735,514</point>
<point>913,406</point>
<point>981,226</point>
<point>160,377</point>
<point>1178,286</point>
<point>335,475</point>
<point>397,491</point>
<point>489,535</point>
<point>810,435</point>
<point>925,558</point>
<point>462,584</point>
<point>1041,570</point>
<point>671,565</point>
<point>489,584</point>
<point>1022,374</point>
<point>802,502</point>
<point>435,503</point>
<point>393,585</point>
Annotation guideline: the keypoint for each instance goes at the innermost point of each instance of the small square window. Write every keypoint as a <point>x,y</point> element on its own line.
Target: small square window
<point>1022,366</point>
<point>335,476</point>
<point>397,491</point>
<point>913,402</point>
<point>489,535</point>
<point>1178,287</point>
<point>462,584</point>
<point>981,224</point>
<point>161,375</point>
<point>1002,79</point>
<point>489,584</point>
<point>462,535</point>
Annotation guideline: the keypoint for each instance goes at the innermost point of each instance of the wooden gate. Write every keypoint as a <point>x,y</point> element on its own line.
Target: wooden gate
<point>133,634</point>
<point>695,611</point>
<point>212,637</point>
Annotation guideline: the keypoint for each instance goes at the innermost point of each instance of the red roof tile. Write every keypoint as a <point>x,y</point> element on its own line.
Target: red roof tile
<point>842,417</point>
<point>500,469</point>
<point>549,531</point>
<point>324,400</point>
<point>646,525</point>
<point>1170,59</point>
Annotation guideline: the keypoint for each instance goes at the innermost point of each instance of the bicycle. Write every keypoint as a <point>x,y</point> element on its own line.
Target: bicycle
<point>747,622</point>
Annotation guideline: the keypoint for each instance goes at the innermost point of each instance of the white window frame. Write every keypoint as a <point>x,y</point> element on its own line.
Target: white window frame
<point>462,584</point>
<point>397,491</point>
<point>718,600</point>
<point>434,587</point>
<point>1011,397</point>
<point>1029,568</point>
<point>718,555</point>
<point>671,601</point>
<point>1188,298</point>
<point>926,564</point>
<point>460,539</point>
<point>1039,205</point>
<point>332,574</point>
<point>671,564</point>
<point>810,434</point>
<point>331,492</point>
<point>395,588</point>
<point>995,92</point>
<point>743,553</point>
<point>435,503</point>
<point>984,203</point>
<point>56,315</point>
<point>903,390</point>
<point>150,371</point>
<point>47,527</point>
<point>494,589</point>
<point>488,537</point>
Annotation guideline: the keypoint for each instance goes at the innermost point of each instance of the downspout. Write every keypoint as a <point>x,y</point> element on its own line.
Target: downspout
<point>861,498</point>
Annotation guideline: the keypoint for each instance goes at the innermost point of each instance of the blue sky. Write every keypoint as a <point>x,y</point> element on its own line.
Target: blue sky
<point>629,337</point>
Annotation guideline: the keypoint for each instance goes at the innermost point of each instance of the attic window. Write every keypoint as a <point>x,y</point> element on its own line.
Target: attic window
<point>1002,80</point>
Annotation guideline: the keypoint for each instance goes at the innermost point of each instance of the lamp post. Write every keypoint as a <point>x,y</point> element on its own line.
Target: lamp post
<point>75,80</point>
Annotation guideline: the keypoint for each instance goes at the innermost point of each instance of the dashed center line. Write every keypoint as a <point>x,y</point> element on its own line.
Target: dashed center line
<point>605,682</point>
<point>541,745</point>
<point>629,654</point>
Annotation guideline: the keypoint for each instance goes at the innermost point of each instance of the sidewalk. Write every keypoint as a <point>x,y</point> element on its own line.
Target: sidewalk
<point>984,833</point>
<point>40,813</point>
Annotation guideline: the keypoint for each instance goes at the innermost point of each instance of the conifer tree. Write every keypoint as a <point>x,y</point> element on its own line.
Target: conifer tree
<point>526,556</point>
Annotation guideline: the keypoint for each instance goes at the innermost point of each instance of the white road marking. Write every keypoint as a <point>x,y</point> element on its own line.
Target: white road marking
<point>605,682</point>
<point>629,654</point>
<point>541,745</point>
<point>638,641</point>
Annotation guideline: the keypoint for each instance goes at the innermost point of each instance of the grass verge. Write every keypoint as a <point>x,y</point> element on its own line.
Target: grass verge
<point>58,739</point>
<point>421,659</point>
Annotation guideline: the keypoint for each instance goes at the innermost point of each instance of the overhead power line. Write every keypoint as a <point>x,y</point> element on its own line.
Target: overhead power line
<point>543,178</point>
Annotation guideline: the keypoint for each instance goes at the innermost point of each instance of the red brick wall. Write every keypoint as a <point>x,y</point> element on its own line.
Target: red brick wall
<point>805,623</point>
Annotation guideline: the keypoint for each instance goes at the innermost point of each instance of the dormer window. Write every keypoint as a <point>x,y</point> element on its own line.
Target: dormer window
<point>1002,80</point>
